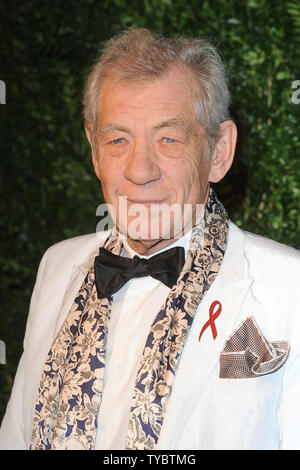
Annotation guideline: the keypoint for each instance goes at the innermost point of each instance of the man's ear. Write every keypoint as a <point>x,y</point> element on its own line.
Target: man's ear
<point>224,152</point>
<point>94,152</point>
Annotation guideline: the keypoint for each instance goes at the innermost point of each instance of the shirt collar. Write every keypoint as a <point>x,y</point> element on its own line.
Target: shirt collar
<point>184,241</point>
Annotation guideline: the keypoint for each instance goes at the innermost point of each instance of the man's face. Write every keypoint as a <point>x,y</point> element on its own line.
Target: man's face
<point>151,154</point>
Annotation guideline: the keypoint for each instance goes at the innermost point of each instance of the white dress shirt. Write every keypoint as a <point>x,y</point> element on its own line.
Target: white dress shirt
<point>133,311</point>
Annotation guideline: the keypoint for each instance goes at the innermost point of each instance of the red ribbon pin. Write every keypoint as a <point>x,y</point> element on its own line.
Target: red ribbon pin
<point>212,317</point>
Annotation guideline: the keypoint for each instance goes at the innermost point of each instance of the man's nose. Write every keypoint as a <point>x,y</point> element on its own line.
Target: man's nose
<point>142,166</point>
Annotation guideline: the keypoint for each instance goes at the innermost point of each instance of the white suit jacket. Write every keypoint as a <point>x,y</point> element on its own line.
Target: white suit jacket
<point>258,278</point>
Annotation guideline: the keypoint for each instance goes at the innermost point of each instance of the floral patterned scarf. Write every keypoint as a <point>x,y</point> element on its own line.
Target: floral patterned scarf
<point>70,391</point>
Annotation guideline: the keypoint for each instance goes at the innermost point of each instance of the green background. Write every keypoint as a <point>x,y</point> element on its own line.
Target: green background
<point>48,189</point>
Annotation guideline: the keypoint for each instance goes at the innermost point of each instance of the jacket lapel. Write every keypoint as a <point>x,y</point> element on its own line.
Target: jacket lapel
<point>77,276</point>
<point>54,308</point>
<point>199,358</point>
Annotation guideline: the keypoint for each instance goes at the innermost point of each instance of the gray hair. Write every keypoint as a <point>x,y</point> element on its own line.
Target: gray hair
<point>139,55</point>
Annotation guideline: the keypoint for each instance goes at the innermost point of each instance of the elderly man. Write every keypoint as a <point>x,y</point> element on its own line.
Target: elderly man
<point>174,330</point>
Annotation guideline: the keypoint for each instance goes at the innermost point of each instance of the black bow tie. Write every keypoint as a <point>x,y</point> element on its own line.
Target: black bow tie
<point>113,271</point>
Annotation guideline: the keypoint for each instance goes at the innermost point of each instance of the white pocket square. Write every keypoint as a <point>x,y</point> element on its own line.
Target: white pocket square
<point>247,353</point>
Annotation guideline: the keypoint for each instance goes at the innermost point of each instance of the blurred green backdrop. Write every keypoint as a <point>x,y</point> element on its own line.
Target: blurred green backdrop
<point>48,189</point>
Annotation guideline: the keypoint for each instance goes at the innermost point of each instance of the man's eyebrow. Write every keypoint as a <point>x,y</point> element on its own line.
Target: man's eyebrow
<point>112,127</point>
<point>175,122</point>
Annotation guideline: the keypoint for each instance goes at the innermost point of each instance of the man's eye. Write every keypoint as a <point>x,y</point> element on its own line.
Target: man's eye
<point>169,140</point>
<point>118,141</point>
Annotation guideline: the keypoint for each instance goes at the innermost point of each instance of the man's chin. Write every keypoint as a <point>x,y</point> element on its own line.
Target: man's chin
<point>147,246</point>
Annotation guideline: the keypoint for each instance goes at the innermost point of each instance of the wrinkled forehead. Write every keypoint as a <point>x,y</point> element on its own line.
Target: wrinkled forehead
<point>175,90</point>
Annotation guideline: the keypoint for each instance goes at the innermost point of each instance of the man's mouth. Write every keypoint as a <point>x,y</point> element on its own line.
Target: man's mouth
<point>146,202</point>
<point>132,201</point>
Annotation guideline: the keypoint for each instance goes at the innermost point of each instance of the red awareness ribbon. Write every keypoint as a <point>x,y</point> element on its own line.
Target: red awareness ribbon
<point>212,317</point>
